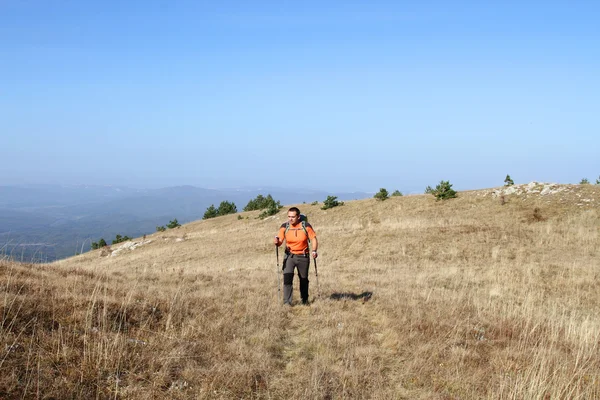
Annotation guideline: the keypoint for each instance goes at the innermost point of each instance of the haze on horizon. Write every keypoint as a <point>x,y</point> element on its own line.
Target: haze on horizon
<point>336,96</point>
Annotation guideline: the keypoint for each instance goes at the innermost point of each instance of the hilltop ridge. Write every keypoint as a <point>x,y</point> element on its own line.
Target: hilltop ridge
<point>473,297</point>
<point>48,222</point>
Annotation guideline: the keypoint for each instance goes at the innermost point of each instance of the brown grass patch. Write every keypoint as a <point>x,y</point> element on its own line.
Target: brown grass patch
<point>418,299</point>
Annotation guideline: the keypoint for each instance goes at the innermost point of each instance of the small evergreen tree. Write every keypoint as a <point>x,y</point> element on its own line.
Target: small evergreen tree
<point>119,239</point>
<point>99,244</point>
<point>397,193</point>
<point>271,210</point>
<point>161,228</point>
<point>330,202</point>
<point>382,194</point>
<point>270,207</point>
<point>255,204</point>
<point>258,203</point>
<point>227,208</point>
<point>443,191</point>
<point>508,181</point>
<point>211,212</point>
<point>428,190</point>
<point>584,181</point>
<point>598,181</point>
<point>173,224</point>
<point>268,204</point>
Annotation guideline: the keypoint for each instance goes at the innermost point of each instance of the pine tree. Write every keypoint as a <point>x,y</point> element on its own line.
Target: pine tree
<point>173,224</point>
<point>227,208</point>
<point>442,191</point>
<point>382,194</point>
<point>330,202</point>
<point>211,212</point>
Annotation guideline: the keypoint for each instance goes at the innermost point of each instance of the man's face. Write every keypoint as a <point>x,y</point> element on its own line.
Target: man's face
<point>293,217</point>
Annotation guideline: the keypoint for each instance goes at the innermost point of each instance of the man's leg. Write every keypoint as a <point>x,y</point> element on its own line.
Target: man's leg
<point>288,279</point>
<point>303,264</point>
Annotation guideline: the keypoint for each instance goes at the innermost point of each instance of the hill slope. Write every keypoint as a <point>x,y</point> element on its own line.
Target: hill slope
<point>44,223</point>
<point>482,296</point>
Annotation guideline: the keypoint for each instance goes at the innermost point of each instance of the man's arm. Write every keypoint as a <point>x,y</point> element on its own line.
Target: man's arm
<point>315,245</point>
<point>280,237</point>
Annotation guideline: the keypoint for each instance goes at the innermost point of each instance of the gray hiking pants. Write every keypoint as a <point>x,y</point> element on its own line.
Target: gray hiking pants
<point>301,262</point>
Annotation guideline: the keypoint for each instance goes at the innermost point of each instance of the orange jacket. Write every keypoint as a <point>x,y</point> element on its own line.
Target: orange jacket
<point>296,238</point>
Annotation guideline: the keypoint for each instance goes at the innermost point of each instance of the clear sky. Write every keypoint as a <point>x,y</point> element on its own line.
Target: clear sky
<point>323,95</point>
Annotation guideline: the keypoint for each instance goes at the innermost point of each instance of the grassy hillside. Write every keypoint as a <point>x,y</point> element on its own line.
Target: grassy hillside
<point>476,297</point>
<point>45,223</point>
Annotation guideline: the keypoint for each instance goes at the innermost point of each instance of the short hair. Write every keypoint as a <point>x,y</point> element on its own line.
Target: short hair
<point>295,209</point>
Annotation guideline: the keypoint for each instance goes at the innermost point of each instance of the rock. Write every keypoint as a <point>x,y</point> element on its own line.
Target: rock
<point>129,245</point>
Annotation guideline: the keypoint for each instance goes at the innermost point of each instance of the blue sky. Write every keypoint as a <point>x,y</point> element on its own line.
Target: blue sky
<point>335,96</point>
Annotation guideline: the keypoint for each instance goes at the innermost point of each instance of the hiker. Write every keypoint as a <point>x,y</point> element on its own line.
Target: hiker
<point>297,234</point>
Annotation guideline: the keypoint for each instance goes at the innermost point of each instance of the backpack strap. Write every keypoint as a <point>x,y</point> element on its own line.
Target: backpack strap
<point>287,228</point>
<point>305,231</point>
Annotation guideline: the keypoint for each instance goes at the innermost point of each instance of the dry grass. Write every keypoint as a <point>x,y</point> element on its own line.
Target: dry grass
<point>471,298</point>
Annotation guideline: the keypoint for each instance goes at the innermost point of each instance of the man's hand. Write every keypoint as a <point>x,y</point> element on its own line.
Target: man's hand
<point>276,241</point>
<point>315,254</point>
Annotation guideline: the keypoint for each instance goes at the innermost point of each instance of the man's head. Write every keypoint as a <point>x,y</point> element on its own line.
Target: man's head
<point>294,215</point>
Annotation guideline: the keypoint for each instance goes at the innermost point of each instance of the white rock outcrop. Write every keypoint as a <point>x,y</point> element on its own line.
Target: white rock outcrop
<point>544,189</point>
<point>129,245</point>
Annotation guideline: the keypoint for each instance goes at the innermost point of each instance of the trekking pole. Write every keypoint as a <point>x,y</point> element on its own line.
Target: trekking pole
<point>278,278</point>
<point>317,274</point>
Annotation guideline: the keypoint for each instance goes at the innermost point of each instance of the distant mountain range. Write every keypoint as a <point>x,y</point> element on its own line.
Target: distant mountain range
<point>50,222</point>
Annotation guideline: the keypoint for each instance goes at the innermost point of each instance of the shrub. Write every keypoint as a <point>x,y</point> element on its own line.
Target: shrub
<point>598,181</point>
<point>99,244</point>
<point>240,217</point>
<point>161,228</point>
<point>443,191</point>
<point>119,239</point>
<point>397,193</point>
<point>271,210</point>
<point>259,203</point>
<point>330,202</point>
<point>268,204</point>
<point>226,208</point>
<point>508,181</point>
<point>211,212</point>
<point>314,203</point>
<point>428,190</point>
<point>584,181</point>
<point>173,224</point>
<point>382,194</point>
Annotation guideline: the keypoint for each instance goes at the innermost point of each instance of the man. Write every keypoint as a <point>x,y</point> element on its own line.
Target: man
<point>297,235</point>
